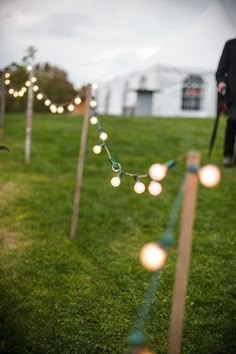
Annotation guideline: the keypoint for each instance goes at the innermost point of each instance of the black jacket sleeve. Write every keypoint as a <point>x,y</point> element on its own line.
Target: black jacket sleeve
<point>222,71</point>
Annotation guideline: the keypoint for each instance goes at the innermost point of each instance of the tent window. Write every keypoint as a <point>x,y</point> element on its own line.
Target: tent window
<point>192,93</point>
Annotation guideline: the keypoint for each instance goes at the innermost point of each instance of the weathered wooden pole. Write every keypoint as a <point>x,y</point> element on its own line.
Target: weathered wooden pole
<point>29,116</point>
<point>81,162</point>
<point>2,109</point>
<point>184,254</point>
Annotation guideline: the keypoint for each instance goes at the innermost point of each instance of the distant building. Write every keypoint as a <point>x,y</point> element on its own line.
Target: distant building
<point>180,80</point>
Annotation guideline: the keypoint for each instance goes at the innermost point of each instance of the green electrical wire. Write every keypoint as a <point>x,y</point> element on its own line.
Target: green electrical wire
<point>136,336</point>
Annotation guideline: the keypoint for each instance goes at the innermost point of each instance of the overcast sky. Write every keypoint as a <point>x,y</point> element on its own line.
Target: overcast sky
<point>93,40</point>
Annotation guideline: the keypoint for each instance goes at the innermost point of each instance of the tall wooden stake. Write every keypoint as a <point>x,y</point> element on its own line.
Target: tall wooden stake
<point>81,162</point>
<point>29,114</point>
<point>2,109</point>
<point>184,254</point>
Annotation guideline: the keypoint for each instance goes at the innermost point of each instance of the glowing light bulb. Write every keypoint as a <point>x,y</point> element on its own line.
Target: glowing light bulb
<point>27,83</point>
<point>47,102</point>
<point>77,100</point>
<point>209,175</point>
<point>7,75</point>
<point>97,149</point>
<point>53,108</point>
<point>157,171</point>
<point>21,93</point>
<point>7,82</point>
<point>60,110</point>
<point>11,91</point>
<point>35,88</point>
<point>15,94</point>
<point>24,89</point>
<point>39,96</point>
<point>103,136</point>
<point>34,79</point>
<point>71,107</point>
<point>94,86</point>
<point>93,103</point>
<point>152,256</point>
<point>154,188</point>
<point>115,181</point>
<point>139,187</point>
<point>29,67</point>
<point>93,120</point>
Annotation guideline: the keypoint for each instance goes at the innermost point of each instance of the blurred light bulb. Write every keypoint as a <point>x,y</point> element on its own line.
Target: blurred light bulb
<point>209,175</point>
<point>77,100</point>
<point>93,103</point>
<point>103,136</point>
<point>53,108</point>
<point>154,188</point>
<point>7,82</point>
<point>139,187</point>
<point>11,91</point>
<point>35,88</point>
<point>152,256</point>
<point>24,89</point>
<point>60,110</point>
<point>47,102</point>
<point>115,181</point>
<point>29,67</point>
<point>7,75</point>
<point>94,86</point>
<point>21,93</point>
<point>157,171</point>
<point>34,79</point>
<point>39,96</point>
<point>15,94</point>
<point>97,149</point>
<point>27,83</point>
<point>71,107</point>
<point>93,120</point>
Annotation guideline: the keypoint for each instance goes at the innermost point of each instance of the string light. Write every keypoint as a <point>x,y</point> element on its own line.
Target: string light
<point>93,120</point>
<point>34,79</point>
<point>209,175</point>
<point>35,88</point>
<point>47,102</point>
<point>7,75</point>
<point>11,91</point>
<point>7,82</point>
<point>60,110</point>
<point>157,171</point>
<point>93,103</point>
<point>139,187</point>
<point>53,108</point>
<point>21,93</point>
<point>103,136</point>
<point>71,107</point>
<point>154,188</point>
<point>97,149</point>
<point>115,181</point>
<point>29,67</point>
<point>77,100</point>
<point>152,256</point>
<point>27,83</point>
<point>15,94</point>
<point>39,96</point>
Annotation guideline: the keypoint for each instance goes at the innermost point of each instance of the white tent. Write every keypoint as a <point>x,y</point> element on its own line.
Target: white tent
<point>180,79</point>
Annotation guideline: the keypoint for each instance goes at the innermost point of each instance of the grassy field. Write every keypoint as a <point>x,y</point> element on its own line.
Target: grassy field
<point>82,296</point>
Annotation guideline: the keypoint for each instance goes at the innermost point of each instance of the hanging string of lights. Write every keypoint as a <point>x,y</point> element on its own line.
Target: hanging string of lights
<point>209,175</point>
<point>40,94</point>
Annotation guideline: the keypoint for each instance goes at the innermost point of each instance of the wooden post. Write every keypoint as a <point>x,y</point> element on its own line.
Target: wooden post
<point>184,255</point>
<point>2,109</point>
<point>81,162</point>
<point>29,114</point>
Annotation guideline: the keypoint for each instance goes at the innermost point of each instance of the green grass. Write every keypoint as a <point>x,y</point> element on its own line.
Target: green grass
<point>82,296</point>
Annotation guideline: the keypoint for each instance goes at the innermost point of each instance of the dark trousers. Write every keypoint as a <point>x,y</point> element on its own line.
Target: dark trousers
<point>230,132</point>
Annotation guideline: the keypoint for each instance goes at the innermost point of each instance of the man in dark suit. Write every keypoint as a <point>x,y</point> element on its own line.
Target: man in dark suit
<point>226,80</point>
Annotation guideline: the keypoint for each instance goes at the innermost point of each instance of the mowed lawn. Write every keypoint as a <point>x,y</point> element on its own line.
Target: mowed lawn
<point>82,296</point>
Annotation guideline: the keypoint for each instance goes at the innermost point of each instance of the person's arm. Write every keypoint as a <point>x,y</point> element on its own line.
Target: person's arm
<point>222,70</point>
